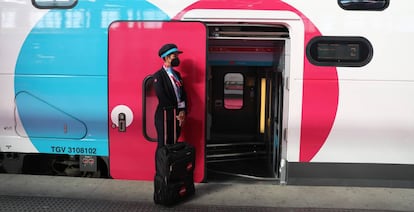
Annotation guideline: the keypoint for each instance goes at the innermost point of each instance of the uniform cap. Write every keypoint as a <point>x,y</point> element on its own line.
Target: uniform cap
<point>168,49</point>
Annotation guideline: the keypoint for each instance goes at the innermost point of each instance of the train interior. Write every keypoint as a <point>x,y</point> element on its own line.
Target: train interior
<point>246,65</point>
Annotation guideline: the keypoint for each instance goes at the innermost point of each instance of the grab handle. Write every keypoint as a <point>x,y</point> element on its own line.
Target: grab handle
<point>121,122</point>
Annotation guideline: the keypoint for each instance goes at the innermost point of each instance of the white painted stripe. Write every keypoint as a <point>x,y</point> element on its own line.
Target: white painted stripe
<point>172,7</point>
<point>16,22</point>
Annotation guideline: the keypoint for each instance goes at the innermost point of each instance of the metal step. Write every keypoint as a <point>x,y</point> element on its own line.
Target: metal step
<point>234,151</point>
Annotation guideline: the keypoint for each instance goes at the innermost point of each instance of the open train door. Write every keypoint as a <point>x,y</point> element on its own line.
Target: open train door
<point>132,59</point>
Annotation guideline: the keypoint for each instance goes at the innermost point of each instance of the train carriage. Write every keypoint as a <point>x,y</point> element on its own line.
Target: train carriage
<point>297,92</point>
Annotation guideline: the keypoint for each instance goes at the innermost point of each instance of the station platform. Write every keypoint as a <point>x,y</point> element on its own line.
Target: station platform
<point>56,193</point>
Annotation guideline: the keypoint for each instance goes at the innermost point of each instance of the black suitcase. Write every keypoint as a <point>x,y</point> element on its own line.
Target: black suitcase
<point>175,161</point>
<point>175,165</point>
<point>170,192</point>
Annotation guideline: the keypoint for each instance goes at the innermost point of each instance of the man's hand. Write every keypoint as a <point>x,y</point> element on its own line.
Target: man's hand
<point>181,118</point>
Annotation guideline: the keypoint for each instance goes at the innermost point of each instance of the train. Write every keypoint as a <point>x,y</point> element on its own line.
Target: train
<point>292,91</point>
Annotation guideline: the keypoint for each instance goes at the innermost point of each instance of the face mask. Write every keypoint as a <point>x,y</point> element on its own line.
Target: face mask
<point>175,62</point>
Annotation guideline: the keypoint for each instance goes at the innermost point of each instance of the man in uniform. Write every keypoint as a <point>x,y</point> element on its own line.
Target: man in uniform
<point>170,92</point>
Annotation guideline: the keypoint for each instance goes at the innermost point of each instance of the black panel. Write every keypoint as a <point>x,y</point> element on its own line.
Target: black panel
<point>54,4</point>
<point>363,4</point>
<point>350,174</point>
<point>339,51</point>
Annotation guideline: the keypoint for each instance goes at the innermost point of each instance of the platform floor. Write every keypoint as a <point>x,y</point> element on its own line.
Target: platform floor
<point>55,193</point>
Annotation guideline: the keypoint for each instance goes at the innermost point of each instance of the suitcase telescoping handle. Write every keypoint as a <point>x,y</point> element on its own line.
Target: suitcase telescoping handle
<point>166,125</point>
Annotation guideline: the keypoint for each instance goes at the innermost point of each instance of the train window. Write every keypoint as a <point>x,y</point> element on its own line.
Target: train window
<point>363,4</point>
<point>149,101</point>
<point>339,51</point>
<point>49,4</point>
<point>233,91</point>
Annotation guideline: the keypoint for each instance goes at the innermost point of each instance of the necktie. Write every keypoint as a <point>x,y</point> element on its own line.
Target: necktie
<point>176,82</point>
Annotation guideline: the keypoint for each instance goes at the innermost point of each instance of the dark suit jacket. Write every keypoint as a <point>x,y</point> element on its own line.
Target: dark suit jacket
<point>166,99</point>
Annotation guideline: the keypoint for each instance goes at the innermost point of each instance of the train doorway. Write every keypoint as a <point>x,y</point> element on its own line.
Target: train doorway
<point>246,64</point>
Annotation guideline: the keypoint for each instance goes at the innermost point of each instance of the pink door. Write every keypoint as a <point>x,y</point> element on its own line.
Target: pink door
<point>133,57</point>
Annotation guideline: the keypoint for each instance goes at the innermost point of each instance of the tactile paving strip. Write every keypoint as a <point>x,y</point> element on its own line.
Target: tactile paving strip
<point>44,204</point>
